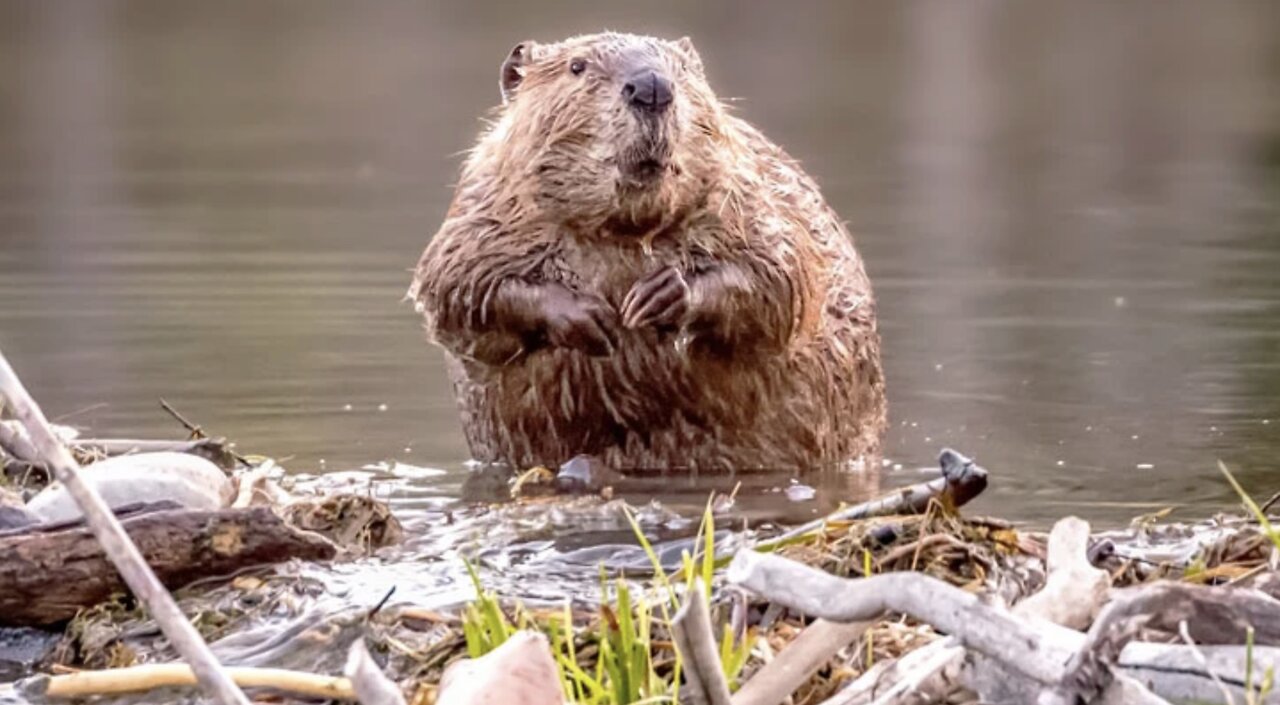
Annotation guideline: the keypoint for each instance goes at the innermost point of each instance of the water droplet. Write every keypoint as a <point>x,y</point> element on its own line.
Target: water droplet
<point>1121,302</point>
<point>382,407</point>
<point>1061,463</point>
<point>1146,466</point>
<point>897,466</point>
<point>938,367</point>
<point>1134,436</point>
<point>346,407</point>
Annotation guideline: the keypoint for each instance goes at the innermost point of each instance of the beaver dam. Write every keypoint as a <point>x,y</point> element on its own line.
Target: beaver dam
<point>312,589</point>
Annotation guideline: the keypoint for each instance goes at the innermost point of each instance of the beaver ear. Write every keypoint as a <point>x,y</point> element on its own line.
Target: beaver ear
<point>512,72</point>
<point>691,54</point>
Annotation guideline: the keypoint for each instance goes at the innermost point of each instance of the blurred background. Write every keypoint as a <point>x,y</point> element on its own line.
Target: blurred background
<point>1070,211</point>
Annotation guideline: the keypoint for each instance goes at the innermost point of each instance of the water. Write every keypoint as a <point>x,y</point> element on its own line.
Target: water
<point>1071,213</point>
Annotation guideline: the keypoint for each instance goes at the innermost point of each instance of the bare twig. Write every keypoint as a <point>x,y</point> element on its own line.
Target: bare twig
<point>961,481</point>
<point>196,432</point>
<point>140,679</point>
<point>691,628</point>
<point>779,678</point>
<point>368,681</point>
<point>116,544</point>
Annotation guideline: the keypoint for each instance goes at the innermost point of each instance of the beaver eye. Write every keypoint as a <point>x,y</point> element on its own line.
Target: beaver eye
<point>577,66</point>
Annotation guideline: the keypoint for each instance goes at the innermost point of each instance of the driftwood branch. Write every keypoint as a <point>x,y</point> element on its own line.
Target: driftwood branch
<point>47,576</point>
<point>961,481</point>
<point>116,544</point>
<point>1039,652</point>
<point>696,640</point>
<point>779,678</point>
<point>141,679</point>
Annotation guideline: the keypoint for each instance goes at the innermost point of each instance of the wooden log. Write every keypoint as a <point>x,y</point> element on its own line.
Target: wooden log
<point>46,576</point>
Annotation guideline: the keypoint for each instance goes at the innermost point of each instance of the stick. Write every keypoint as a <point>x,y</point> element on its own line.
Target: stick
<point>14,441</point>
<point>138,679</point>
<point>116,544</point>
<point>1037,651</point>
<point>696,641</point>
<point>888,677</point>
<point>961,481</point>
<point>779,678</point>
<point>370,685</point>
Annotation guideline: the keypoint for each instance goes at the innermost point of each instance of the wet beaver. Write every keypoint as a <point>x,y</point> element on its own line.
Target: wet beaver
<point>628,271</point>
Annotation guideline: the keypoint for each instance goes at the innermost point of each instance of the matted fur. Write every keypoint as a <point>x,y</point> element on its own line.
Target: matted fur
<point>784,371</point>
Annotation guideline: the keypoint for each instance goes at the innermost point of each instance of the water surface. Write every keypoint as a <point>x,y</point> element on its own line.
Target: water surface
<point>1070,211</point>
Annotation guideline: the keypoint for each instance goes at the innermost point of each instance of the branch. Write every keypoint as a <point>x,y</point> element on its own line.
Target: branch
<point>1039,651</point>
<point>961,481</point>
<point>779,678</point>
<point>116,544</point>
<point>140,679</point>
<point>694,637</point>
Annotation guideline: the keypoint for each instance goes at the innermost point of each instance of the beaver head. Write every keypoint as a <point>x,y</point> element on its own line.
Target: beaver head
<point>606,133</point>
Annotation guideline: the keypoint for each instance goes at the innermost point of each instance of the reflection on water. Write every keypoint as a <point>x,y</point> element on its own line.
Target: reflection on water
<point>1067,210</point>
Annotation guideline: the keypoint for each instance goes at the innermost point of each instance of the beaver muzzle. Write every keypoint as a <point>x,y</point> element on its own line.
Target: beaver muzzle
<point>647,91</point>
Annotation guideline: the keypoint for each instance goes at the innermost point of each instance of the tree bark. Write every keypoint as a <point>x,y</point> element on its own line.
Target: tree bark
<point>46,576</point>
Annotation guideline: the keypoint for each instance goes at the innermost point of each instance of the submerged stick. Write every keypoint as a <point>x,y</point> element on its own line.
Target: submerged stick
<point>691,628</point>
<point>116,544</point>
<point>140,679</point>
<point>961,481</point>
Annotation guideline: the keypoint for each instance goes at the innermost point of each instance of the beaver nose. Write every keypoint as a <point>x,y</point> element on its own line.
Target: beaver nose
<point>648,91</point>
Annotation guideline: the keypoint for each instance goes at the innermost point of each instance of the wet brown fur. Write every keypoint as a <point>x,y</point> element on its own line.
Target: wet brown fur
<point>777,362</point>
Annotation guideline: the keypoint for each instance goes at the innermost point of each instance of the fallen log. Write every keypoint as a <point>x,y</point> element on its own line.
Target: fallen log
<point>47,576</point>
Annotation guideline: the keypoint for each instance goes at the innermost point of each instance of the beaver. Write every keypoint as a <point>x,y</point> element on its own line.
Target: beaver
<point>628,271</point>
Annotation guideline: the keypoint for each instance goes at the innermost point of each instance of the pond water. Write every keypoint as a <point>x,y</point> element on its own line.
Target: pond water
<point>1070,211</point>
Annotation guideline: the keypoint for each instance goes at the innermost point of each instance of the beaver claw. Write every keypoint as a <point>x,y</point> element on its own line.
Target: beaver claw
<point>660,299</point>
<point>581,322</point>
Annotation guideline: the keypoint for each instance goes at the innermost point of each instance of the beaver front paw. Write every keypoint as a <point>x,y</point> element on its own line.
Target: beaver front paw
<point>660,299</point>
<point>580,322</point>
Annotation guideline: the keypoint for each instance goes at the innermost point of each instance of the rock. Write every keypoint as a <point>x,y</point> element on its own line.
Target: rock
<point>191,481</point>
<point>520,672</point>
